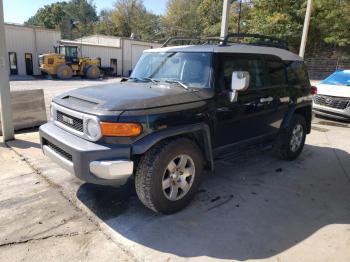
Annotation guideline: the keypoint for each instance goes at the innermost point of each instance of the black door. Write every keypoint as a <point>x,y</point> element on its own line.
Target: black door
<point>114,64</point>
<point>253,113</point>
<point>13,63</point>
<point>29,63</point>
<point>276,90</point>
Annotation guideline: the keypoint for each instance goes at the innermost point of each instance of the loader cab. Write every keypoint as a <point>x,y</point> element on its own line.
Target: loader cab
<point>70,52</point>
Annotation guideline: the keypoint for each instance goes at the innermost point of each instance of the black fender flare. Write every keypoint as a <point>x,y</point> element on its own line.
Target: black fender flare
<point>288,117</point>
<point>144,144</point>
<point>293,109</point>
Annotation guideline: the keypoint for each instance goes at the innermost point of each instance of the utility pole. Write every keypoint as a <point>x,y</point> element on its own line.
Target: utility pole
<point>5,97</point>
<point>225,17</point>
<point>306,28</point>
<point>239,17</point>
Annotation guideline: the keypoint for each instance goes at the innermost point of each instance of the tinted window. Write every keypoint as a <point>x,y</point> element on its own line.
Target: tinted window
<point>235,63</point>
<point>276,72</point>
<point>297,73</point>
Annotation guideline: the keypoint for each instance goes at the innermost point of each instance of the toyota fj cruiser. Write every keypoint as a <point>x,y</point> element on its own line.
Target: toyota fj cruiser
<point>182,107</point>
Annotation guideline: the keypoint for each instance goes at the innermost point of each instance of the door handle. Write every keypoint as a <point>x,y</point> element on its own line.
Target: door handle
<point>266,99</point>
<point>223,109</point>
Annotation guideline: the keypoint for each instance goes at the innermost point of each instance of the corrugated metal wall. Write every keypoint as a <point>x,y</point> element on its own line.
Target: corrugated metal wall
<point>129,53</point>
<point>133,50</point>
<point>102,40</point>
<point>36,41</point>
<point>22,39</point>
<point>105,53</point>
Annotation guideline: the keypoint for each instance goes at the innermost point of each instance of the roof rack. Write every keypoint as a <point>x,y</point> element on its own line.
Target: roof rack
<point>262,40</point>
<point>192,40</point>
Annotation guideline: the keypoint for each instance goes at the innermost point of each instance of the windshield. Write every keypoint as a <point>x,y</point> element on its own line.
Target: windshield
<point>338,78</point>
<point>70,51</point>
<point>190,69</point>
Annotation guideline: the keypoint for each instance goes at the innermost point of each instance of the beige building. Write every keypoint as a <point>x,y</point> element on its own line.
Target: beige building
<point>119,53</point>
<point>25,43</point>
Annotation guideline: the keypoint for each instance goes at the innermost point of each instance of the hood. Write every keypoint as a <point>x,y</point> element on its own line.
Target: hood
<point>333,90</point>
<point>128,96</point>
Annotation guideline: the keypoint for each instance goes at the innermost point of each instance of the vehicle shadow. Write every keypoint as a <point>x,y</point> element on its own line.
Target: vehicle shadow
<point>24,144</point>
<point>249,209</point>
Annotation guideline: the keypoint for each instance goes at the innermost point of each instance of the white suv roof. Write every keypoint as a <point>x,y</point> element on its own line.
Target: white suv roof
<point>234,48</point>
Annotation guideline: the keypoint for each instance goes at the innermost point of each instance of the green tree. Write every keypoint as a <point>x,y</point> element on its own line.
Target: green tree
<point>280,18</point>
<point>181,18</point>
<point>62,16</point>
<point>83,14</point>
<point>127,17</point>
<point>329,24</point>
<point>210,11</point>
<point>49,16</point>
<point>209,14</point>
<point>105,25</point>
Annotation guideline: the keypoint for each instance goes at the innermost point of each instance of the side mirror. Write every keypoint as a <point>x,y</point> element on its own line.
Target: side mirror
<point>240,82</point>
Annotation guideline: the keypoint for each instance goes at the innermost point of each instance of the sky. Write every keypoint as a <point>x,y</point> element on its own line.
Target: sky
<point>18,11</point>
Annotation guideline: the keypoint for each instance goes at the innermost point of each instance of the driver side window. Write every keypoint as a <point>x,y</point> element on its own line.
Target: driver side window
<point>251,64</point>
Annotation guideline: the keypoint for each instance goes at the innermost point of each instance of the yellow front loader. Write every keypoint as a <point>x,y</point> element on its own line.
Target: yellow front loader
<point>65,63</point>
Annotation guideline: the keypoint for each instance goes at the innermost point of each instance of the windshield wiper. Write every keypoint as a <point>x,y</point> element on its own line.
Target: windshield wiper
<point>178,82</point>
<point>150,79</point>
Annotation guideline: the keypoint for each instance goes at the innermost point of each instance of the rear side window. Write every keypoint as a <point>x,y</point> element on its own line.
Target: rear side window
<point>297,73</point>
<point>236,63</point>
<point>276,72</point>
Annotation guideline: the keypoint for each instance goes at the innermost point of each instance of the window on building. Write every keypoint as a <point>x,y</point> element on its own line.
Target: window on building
<point>13,63</point>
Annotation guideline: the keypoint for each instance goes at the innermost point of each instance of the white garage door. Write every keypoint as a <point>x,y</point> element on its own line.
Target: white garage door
<point>136,52</point>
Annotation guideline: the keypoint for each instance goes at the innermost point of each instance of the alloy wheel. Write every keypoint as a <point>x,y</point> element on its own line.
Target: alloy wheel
<point>178,177</point>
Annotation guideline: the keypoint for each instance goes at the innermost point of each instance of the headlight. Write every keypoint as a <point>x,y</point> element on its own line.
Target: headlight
<point>93,129</point>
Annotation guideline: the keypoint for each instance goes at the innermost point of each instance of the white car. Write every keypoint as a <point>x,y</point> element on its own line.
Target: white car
<point>333,96</point>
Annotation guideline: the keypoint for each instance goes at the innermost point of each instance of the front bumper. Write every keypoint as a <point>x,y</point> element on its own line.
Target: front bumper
<point>341,114</point>
<point>91,162</point>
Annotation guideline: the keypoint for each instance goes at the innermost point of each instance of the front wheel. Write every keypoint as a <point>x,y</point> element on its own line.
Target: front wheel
<point>92,72</point>
<point>64,72</point>
<point>292,142</point>
<point>168,175</point>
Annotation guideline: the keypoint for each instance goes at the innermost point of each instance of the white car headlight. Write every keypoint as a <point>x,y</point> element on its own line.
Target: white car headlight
<point>93,129</point>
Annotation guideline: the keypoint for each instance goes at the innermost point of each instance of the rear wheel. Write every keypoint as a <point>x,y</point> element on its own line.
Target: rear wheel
<point>64,72</point>
<point>292,142</point>
<point>168,175</point>
<point>92,72</point>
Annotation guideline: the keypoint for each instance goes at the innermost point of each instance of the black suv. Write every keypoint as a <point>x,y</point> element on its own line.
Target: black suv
<point>181,108</point>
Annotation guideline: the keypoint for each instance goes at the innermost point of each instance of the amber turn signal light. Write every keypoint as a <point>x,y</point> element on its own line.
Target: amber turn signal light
<point>120,129</point>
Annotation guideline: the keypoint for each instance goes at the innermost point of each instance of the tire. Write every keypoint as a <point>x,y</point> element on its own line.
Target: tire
<point>92,72</point>
<point>292,142</point>
<point>64,72</point>
<point>153,169</point>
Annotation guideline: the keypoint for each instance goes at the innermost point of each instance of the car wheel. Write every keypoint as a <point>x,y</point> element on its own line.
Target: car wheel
<point>292,142</point>
<point>168,175</point>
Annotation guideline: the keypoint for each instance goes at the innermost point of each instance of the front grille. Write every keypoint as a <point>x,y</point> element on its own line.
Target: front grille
<point>59,151</point>
<point>332,101</point>
<point>70,121</point>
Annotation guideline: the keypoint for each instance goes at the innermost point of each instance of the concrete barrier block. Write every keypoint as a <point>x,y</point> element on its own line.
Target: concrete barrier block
<point>28,108</point>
